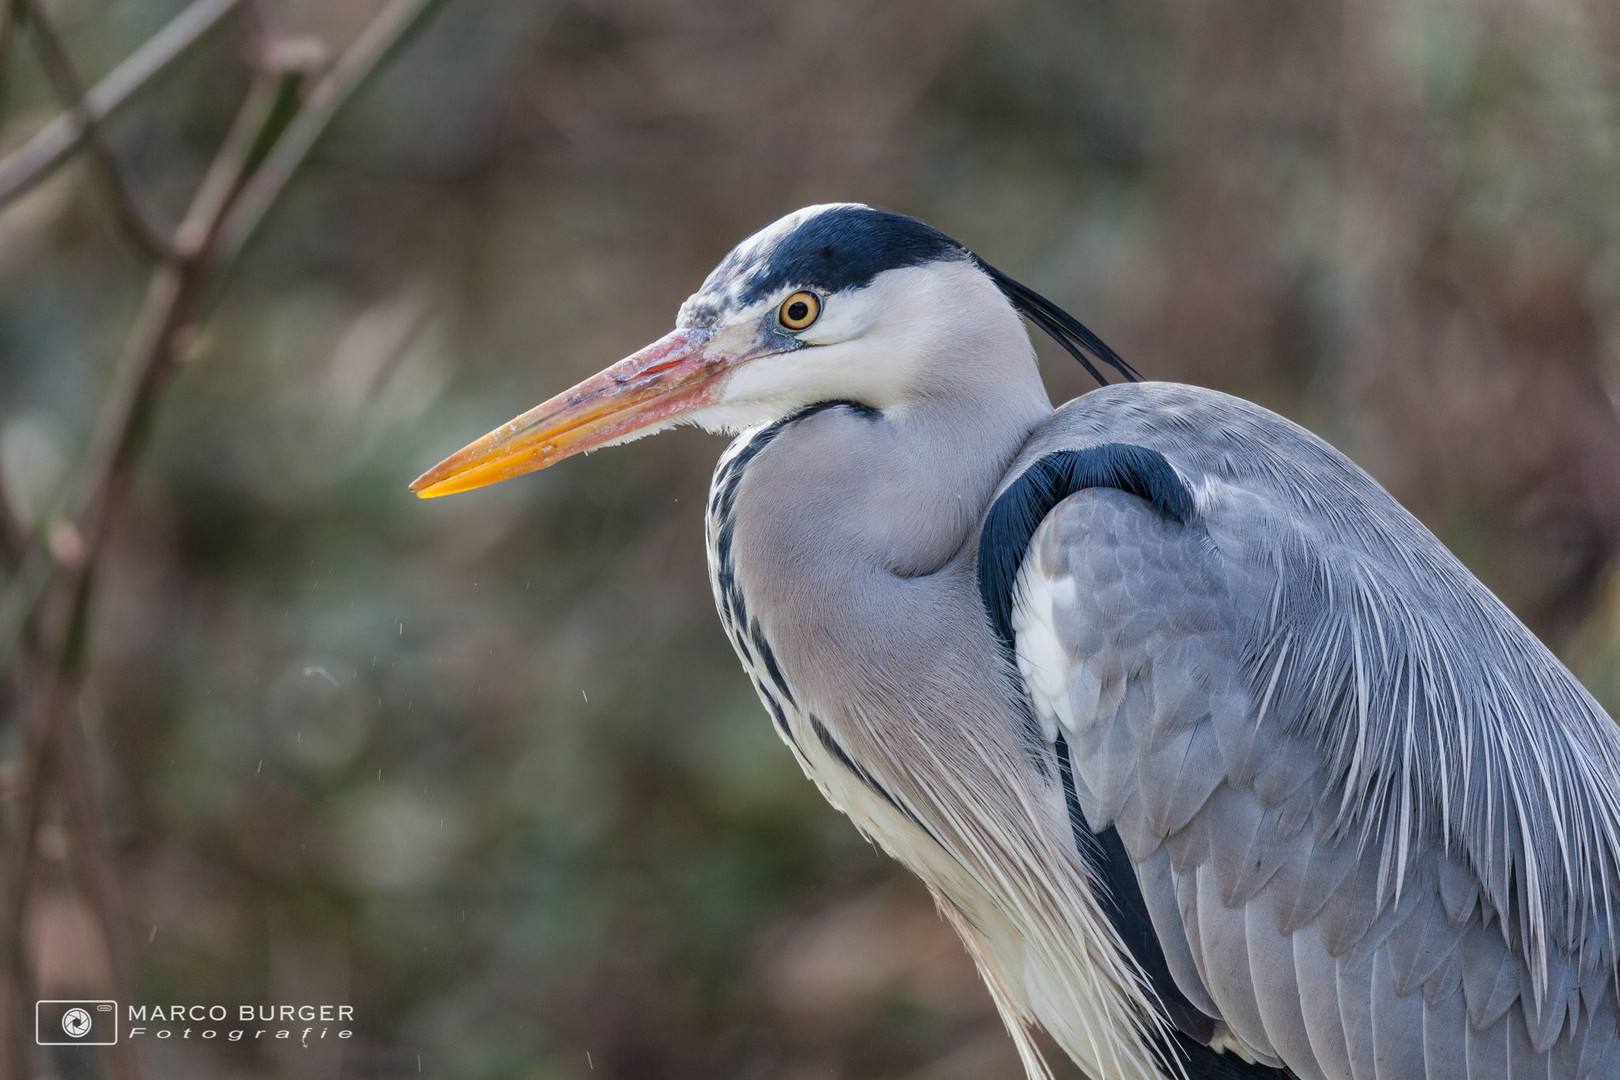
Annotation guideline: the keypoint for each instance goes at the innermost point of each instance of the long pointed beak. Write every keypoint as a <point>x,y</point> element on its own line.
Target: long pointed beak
<point>675,374</point>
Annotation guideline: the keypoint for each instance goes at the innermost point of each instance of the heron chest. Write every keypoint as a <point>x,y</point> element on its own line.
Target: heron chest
<point>843,780</point>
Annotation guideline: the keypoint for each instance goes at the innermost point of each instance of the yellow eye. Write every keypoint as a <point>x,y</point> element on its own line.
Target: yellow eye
<point>799,310</point>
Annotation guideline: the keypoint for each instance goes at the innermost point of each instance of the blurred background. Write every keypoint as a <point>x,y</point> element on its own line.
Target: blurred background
<point>485,768</point>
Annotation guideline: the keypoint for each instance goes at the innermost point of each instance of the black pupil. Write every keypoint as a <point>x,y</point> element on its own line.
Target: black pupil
<point>798,310</point>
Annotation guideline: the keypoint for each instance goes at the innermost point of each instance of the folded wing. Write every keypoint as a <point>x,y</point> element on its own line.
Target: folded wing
<point>1374,823</point>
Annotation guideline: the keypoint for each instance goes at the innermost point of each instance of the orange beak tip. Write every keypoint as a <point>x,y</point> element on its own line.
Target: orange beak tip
<point>427,486</point>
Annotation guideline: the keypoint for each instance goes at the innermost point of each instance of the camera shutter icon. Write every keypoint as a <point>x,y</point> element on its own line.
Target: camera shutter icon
<point>75,1023</point>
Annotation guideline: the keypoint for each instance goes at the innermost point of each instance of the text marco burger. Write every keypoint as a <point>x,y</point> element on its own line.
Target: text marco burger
<point>286,1019</point>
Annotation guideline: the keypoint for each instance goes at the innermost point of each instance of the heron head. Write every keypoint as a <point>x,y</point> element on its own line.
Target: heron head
<point>839,302</point>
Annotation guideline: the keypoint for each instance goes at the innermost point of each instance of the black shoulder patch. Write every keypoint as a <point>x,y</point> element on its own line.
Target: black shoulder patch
<point>845,248</point>
<point>1003,542</point>
<point>1016,514</point>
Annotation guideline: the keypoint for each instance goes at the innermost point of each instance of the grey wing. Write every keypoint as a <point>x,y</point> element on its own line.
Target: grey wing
<point>1351,864</point>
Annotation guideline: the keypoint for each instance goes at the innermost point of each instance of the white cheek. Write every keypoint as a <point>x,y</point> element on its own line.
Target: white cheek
<point>781,379</point>
<point>853,370</point>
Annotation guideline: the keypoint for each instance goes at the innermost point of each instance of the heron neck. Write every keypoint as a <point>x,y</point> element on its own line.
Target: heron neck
<point>901,490</point>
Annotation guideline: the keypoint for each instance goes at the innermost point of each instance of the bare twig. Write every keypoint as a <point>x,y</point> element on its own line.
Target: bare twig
<point>41,155</point>
<point>22,595</point>
<point>148,356</point>
<point>257,126</point>
<point>61,637</point>
<point>157,318</point>
<point>250,170</point>
<point>57,695</point>
<point>135,217</point>
<point>224,243</point>
<point>99,872</point>
<point>376,43</point>
<point>264,25</point>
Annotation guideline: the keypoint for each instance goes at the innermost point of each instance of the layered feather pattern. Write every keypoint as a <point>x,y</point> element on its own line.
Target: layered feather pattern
<point>1376,822</point>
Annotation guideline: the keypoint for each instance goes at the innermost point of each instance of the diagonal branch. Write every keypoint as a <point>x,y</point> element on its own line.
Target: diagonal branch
<point>238,209</point>
<point>374,46</point>
<point>226,212</point>
<point>148,356</point>
<point>53,57</point>
<point>55,142</point>
<point>59,671</point>
<point>49,595</point>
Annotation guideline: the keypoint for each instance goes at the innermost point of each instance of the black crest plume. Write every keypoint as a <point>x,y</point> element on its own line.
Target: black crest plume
<point>1060,326</point>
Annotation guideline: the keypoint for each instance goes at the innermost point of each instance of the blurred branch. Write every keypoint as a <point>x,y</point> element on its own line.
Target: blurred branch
<point>135,218</point>
<point>59,691</point>
<point>13,533</point>
<point>232,212</point>
<point>99,871</point>
<point>148,356</point>
<point>22,595</point>
<point>271,137</point>
<point>364,57</point>
<point>9,12</point>
<point>264,25</point>
<point>41,155</point>
<point>150,353</point>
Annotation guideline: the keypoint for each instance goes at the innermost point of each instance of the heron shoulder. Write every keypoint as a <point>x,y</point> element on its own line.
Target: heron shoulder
<point>1406,740</point>
<point>1341,599</point>
<point>1203,432</point>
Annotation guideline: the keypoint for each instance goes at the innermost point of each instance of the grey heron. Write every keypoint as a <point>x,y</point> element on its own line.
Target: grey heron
<point>1218,761</point>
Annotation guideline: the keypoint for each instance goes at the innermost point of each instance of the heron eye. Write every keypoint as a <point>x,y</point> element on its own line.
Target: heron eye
<point>799,310</point>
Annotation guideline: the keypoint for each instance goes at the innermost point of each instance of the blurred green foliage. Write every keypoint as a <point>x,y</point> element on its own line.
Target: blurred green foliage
<point>485,767</point>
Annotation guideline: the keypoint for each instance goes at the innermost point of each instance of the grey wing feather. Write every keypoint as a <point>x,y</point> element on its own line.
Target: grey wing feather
<point>1277,994</point>
<point>1317,974</point>
<point>1444,1023</point>
<point>1376,821</point>
<point>1397,1022</point>
<point>1224,941</point>
<point>1159,894</point>
<point>1354,983</point>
